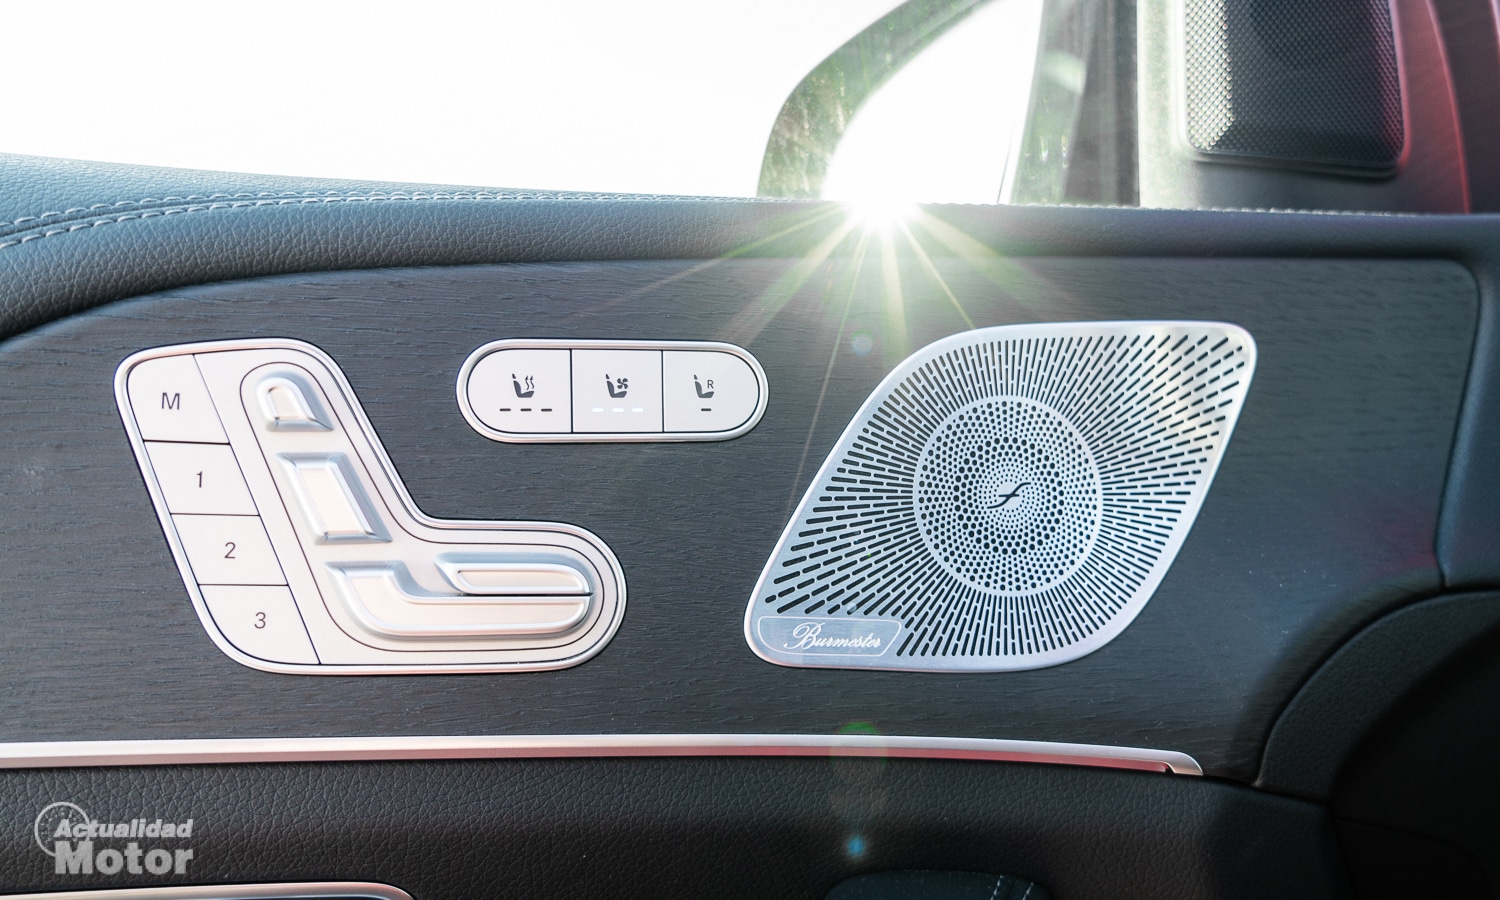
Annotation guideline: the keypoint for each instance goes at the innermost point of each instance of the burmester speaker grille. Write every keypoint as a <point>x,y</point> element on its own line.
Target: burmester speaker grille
<point>1008,498</point>
<point>1310,82</point>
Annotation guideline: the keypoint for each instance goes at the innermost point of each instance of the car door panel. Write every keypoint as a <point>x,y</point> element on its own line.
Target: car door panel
<point>1351,503</point>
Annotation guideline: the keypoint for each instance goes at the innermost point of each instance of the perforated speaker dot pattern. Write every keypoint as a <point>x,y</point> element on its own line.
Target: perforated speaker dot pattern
<point>1007,496</point>
<point>1010,496</point>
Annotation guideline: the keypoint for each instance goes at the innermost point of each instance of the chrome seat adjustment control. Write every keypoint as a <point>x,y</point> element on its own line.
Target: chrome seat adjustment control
<point>302,550</point>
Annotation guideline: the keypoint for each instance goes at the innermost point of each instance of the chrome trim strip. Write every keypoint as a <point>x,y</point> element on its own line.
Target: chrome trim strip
<point>292,890</point>
<point>51,754</point>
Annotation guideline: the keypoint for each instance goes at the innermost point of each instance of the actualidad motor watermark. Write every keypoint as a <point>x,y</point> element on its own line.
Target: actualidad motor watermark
<point>79,844</point>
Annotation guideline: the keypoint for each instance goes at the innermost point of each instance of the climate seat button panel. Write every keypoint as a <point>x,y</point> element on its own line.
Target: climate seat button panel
<point>302,550</point>
<point>525,391</point>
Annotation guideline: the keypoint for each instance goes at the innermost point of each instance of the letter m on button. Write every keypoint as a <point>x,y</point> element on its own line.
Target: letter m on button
<point>171,401</point>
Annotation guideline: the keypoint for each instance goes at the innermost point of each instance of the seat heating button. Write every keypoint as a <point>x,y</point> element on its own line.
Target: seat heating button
<point>707,391</point>
<point>287,404</point>
<point>262,622</point>
<point>228,550</point>
<point>523,391</point>
<point>616,391</point>
<point>200,478</point>
<point>333,504</point>
<point>170,402</point>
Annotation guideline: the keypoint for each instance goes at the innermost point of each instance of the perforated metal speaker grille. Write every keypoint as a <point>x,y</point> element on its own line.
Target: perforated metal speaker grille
<point>1008,498</point>
<point>1313,82</point>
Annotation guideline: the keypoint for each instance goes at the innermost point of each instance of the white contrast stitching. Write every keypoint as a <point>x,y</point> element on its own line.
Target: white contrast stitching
<point>334,195</point>
<point>297,199</point>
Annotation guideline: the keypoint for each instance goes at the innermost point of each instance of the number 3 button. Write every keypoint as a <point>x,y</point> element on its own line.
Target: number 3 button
<point>263,622</point>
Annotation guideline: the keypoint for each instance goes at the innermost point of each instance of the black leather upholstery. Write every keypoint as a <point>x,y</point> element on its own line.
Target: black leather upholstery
<point>691,828</point>
<point>76,234</point>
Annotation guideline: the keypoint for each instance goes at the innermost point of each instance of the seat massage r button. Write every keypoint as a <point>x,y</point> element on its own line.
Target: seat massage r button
<point>707,390</point>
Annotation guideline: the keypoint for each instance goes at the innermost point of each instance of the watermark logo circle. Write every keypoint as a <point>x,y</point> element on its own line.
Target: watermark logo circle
<point>47,820</point>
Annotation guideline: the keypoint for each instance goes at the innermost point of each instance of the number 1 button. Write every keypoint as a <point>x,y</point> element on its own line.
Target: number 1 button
<point>200,478</point>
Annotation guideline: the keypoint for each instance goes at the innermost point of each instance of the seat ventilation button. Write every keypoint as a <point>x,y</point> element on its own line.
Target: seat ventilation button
<point>616,391</point>
<point>1007,498</point>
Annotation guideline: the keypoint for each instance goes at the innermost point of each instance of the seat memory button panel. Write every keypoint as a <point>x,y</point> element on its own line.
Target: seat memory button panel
<point>302,550</point>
